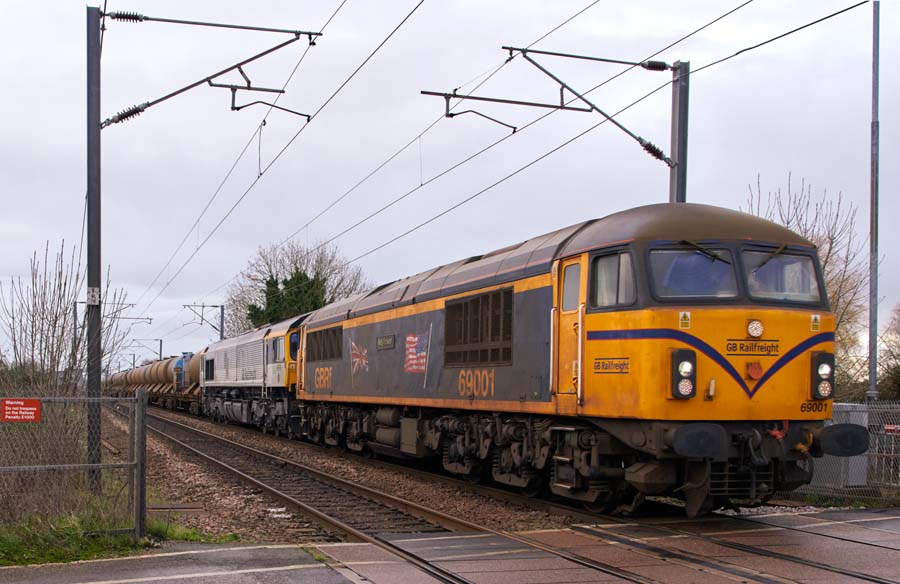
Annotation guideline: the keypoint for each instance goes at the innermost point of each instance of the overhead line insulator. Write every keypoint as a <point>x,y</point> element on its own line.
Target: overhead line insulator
<point>127,16</point>
<point>655,65</point>
<point>124,115</point>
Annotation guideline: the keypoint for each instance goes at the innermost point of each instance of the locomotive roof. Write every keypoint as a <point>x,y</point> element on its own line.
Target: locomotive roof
<point>660,222</point>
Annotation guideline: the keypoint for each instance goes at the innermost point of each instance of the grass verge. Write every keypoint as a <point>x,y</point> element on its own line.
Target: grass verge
<point>164,529</point>
<point>40,540</point>
<point>62,539</point>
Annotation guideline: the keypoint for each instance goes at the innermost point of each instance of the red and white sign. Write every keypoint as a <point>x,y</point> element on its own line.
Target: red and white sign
<point>20,410</point>
<point>892,428</point>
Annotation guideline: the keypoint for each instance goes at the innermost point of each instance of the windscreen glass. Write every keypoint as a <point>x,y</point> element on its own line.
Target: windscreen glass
<point>780,276</point>
<point>693,273</point>
<point>612,280</point>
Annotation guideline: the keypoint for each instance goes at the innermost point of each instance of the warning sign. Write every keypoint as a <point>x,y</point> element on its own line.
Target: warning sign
<point>684,320</point>
<point>815,323</point>
<point>892,428</point>
<point>20,410</point>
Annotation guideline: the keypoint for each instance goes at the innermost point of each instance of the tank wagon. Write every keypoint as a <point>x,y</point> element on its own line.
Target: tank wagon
<point>171,383</point>
<point>682,350</point>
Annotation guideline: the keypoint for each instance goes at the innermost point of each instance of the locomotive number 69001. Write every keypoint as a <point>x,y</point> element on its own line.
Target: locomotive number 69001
<point>476,383</point>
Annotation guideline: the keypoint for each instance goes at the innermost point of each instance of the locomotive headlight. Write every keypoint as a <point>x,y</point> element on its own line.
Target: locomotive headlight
<point>683,374</point>
<point>755,329</point>
<point>822,375</point>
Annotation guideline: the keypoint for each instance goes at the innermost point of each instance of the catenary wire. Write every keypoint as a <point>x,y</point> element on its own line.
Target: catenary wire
<point>280,153</point>
<point>489,72</point>
<point>583,133</point>
<point>102,25</point>
<point>237,160</point>
<point>508,136</point>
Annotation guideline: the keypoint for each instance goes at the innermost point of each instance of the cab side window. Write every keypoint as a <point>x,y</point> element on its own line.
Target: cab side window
<point>571,286</point>
<point>295,344</point>
<point>612,280</point>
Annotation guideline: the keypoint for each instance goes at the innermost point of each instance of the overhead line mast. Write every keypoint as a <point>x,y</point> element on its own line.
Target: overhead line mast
<point>677,163</point>
<point>94,125</point>
<point>872,391</point>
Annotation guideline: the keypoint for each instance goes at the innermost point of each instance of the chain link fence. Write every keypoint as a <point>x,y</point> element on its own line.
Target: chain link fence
<point>872,478</point>
<point>64,456</point>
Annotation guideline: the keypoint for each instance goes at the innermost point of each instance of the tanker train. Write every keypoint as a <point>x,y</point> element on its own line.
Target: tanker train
<point>682,350</point>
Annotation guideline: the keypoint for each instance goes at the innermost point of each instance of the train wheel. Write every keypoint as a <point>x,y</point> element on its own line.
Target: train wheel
<point>480,474</point>
<point>535,489</point>
<point>602,506</point>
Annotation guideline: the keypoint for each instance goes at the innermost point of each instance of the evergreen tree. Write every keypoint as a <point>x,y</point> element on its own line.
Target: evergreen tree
<point>296,295</point>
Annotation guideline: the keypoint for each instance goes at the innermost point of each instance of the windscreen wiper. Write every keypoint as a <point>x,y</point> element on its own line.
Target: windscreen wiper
<point>706,252</point>
<point>771,256</point>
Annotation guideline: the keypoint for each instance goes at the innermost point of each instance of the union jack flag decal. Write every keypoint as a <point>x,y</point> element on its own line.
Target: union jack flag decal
<point>416,353</point>
<point>360,358</point>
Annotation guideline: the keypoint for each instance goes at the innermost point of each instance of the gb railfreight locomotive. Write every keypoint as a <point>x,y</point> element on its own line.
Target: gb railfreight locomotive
<point>674,349</point>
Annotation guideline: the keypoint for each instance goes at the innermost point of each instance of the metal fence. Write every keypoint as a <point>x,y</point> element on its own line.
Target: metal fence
<point>74,456</point>
<point>871,478</point>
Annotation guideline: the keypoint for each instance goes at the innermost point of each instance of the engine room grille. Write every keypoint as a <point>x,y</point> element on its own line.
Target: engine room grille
<point>479,329</point>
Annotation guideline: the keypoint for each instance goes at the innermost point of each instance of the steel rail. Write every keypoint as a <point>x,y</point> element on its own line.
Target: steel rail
<point>327,520</point>
<point>495,493</point>
<point>446,521</point>
<point>754,550</point>
<point>588,517</point>
<point>807,528</point>
<point>402,504</point>
<point>758,551</point>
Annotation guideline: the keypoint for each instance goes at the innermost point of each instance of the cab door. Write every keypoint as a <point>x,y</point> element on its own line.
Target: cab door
<point>569,298</point>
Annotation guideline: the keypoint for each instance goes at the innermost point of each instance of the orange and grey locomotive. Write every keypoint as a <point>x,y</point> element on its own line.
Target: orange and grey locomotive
<point>682,350</point>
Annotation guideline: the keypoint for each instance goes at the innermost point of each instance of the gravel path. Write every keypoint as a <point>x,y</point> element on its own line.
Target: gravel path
<point>457,502</point>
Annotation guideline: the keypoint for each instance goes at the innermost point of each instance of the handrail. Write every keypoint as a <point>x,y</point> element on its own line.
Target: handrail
<point>579,385</point>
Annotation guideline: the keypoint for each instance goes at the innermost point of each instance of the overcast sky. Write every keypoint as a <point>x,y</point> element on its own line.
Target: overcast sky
<point>798,106</point>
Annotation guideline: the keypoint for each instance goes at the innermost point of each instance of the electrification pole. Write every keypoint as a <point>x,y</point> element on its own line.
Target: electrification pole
<point>94,331</point>
<point>681,77</point>
<point>146,347</point>
<point>201,314</point>
<point>872,391</point>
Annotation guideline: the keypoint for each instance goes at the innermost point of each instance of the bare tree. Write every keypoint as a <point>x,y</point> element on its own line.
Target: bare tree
<point>44,354</point>
<point>889,359</point>
<point>830,223</point>
<point>45,351</point>
<point>280,261</point>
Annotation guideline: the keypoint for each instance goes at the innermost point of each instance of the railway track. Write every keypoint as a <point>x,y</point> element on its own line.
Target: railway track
<point>355,512</point>
<point>603,527</point>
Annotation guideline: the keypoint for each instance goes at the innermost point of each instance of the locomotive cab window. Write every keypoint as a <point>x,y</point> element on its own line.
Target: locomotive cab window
<point>295,345</point>
<point>478,330</point>
<point>612,280</point>
<point>325,345</point>
<point>571,286</point>
<point>693,273</point>
<point>209,369</point>
<point>772,275</point>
